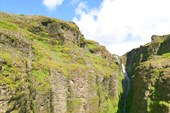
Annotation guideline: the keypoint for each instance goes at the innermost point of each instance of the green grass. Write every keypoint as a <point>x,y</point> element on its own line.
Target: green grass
<point>7,25</point>
<point>166,55</point>
<point>156,71</point>
<point>163,103</point>
<point>33,67</point>
<point>40,74</point>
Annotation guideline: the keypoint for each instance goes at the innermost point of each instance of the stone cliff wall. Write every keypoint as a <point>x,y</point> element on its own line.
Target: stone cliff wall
<point>149,69</point>
<point>47,66</point>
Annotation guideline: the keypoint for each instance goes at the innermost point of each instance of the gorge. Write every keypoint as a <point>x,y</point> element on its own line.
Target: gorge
<point>125,83</point>
<point>127,86</point>
<point>47,66</point>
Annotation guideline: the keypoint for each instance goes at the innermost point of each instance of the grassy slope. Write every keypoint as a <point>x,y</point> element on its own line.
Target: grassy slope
<point>149,69</point>
<point>31,46</point>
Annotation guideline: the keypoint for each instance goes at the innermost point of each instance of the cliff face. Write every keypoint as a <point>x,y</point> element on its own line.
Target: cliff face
<point>149,69</point>
<point>47,66</point>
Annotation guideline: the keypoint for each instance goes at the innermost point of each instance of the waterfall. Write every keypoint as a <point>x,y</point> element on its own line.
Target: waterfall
<point>117,58</point>
<point>127,82</point>
<point>126,87</point>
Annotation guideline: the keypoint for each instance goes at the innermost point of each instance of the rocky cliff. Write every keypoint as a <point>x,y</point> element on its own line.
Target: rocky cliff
<point>149,70</point>
<point>47,66</point>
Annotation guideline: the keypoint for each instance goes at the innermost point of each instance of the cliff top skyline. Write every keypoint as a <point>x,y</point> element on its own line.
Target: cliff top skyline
<point>123,24</point>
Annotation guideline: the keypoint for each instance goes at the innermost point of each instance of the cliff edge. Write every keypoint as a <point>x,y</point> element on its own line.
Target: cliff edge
<point>47,66</point>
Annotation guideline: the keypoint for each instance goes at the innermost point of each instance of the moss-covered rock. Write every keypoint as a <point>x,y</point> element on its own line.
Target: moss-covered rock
<point>149,69</point>
<point>46,66</point>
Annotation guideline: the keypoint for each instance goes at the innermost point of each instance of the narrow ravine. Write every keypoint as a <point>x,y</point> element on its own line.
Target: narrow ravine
<point>127,86</point>
<point>126,83</point>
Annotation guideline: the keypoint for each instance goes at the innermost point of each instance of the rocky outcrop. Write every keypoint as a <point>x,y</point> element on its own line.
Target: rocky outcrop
<point>149,69</point>
<point>47,66</point>
<point>59,92</point>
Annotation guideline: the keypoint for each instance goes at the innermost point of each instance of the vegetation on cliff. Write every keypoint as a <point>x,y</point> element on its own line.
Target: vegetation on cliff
<point>149,69</point>
<point>46,65</point>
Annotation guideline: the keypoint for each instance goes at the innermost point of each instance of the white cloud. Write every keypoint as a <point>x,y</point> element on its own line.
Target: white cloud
<point>121,48</point>
<point>121,25</point>
<point>74,1</point>
<point>52,4</point>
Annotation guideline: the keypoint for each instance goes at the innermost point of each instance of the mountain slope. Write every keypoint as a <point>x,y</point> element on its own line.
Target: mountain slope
<point>46,66</point>
<point>149,69</point>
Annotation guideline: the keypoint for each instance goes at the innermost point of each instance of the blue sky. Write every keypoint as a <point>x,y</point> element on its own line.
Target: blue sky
<point>120,25</point>
<point>66,11</point>
<point>36,7</point>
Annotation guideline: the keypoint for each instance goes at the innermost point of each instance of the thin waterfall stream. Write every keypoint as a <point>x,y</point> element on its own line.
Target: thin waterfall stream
<point>126,91</point>
<point>126,85</point>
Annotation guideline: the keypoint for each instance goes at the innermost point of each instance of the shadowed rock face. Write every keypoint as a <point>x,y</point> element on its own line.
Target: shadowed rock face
<point>149,68</point>
<point>47,66</point>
